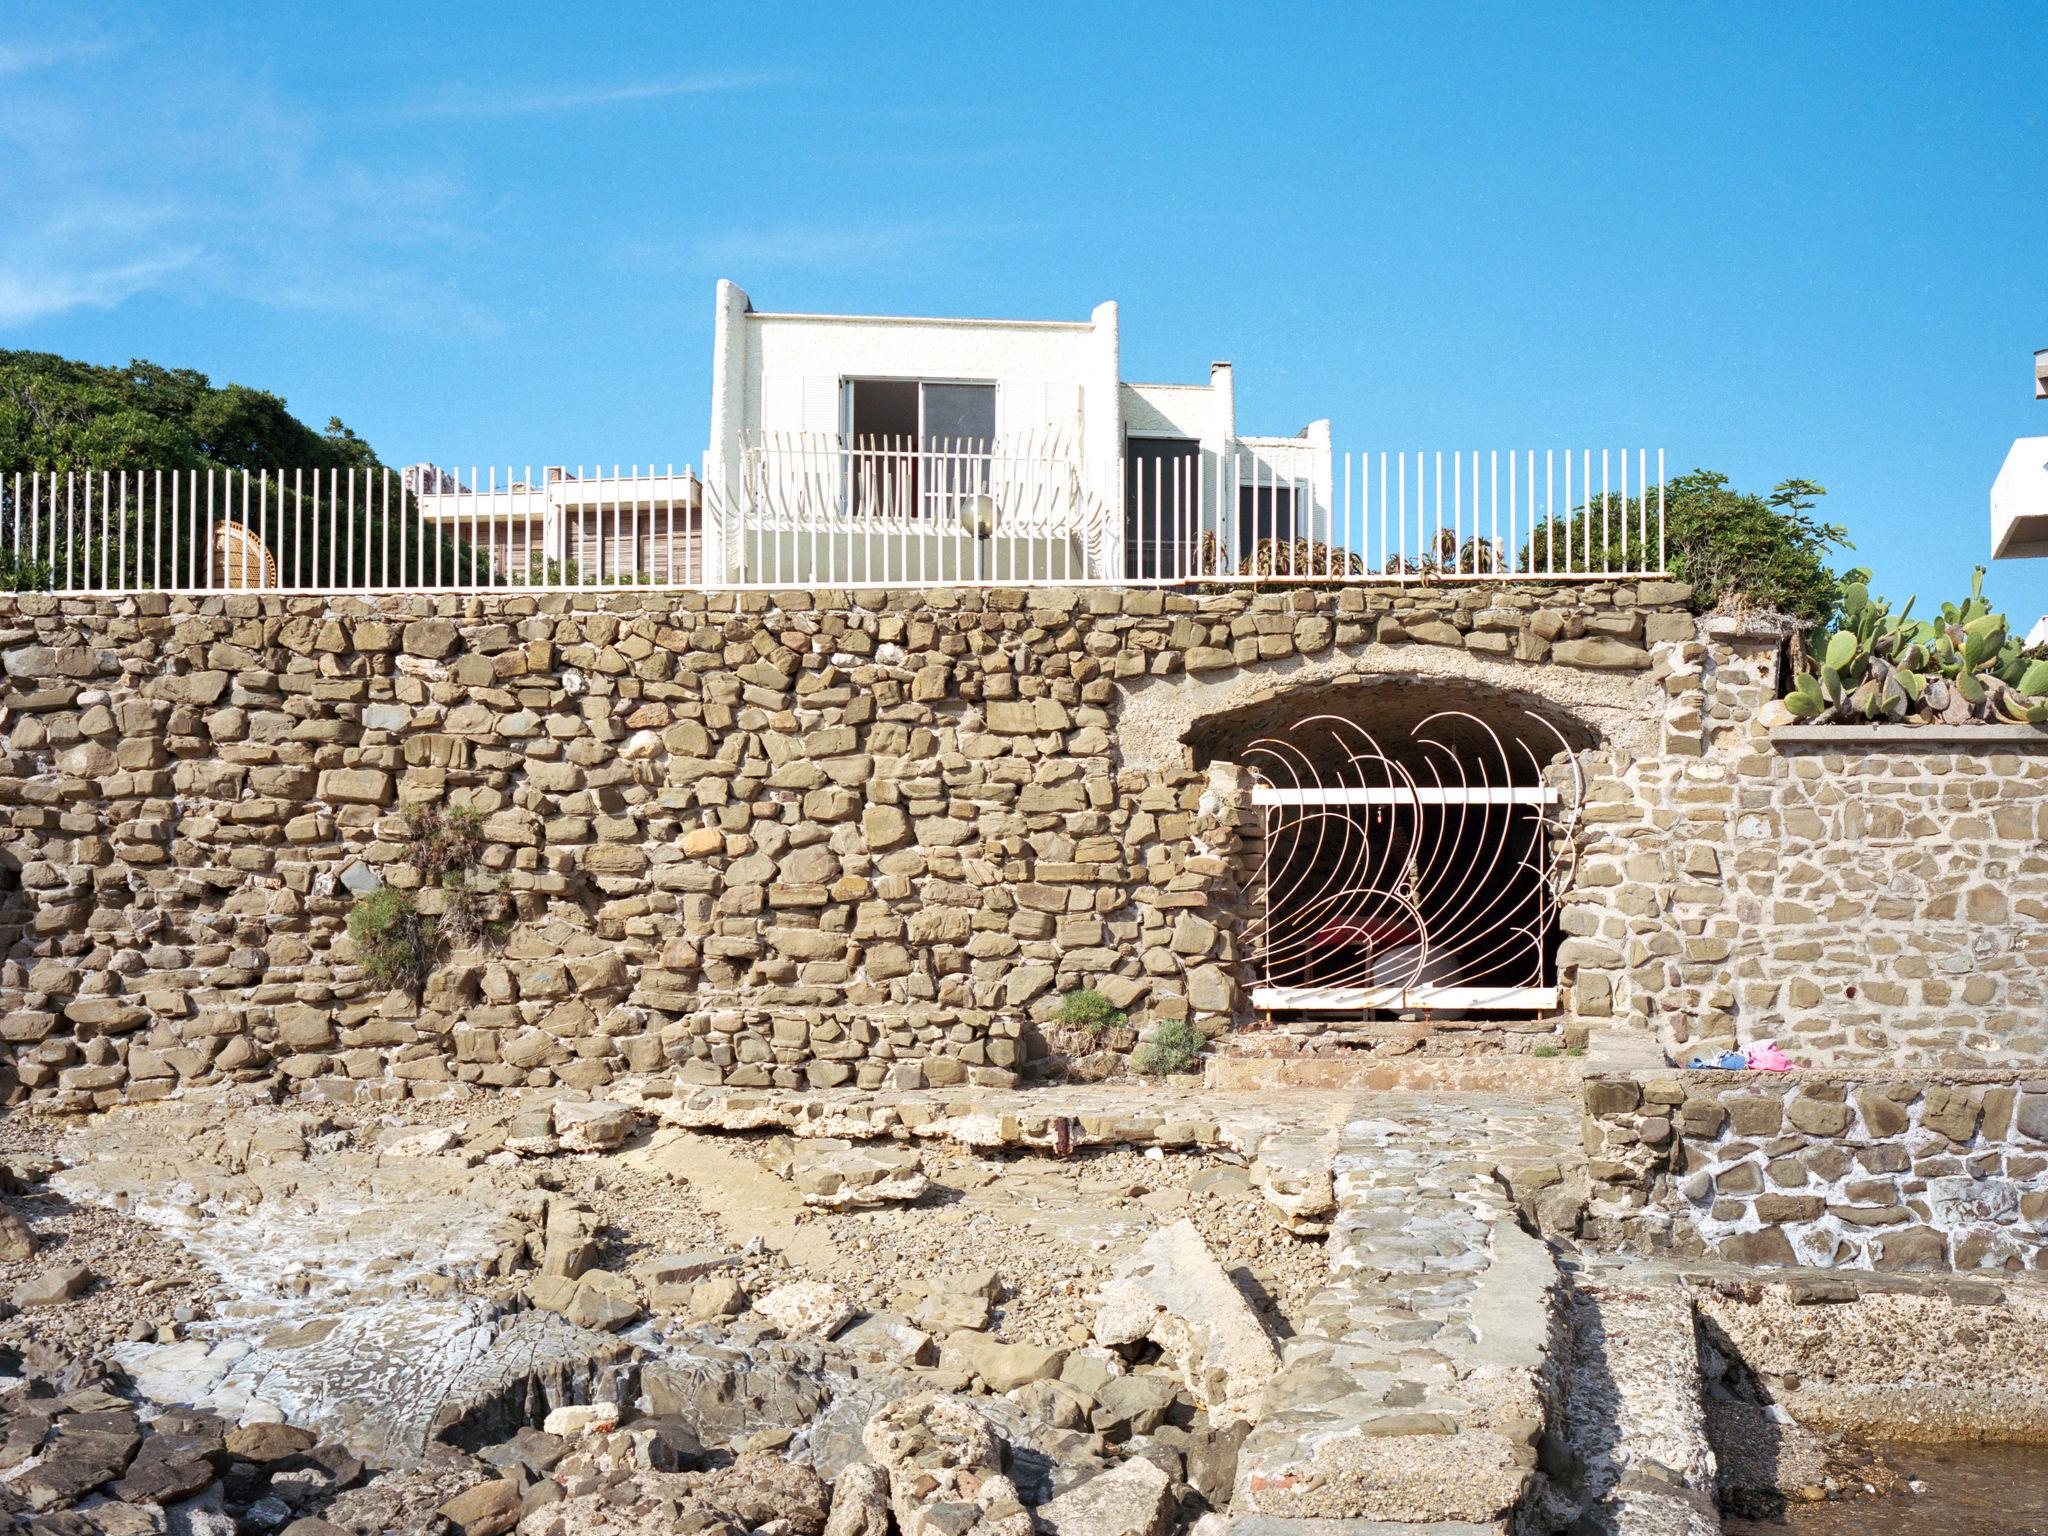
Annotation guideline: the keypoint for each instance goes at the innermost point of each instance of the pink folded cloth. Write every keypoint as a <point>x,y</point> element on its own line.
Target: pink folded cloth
<point>1765,1056</point>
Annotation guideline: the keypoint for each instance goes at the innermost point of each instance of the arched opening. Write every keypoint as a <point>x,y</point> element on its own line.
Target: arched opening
<point>1413,837</point>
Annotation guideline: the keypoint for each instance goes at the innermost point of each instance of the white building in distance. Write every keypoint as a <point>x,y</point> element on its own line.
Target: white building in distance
<point>914,449</point>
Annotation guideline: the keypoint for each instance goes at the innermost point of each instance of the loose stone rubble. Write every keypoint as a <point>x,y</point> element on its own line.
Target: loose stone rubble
<point>509,1328</point>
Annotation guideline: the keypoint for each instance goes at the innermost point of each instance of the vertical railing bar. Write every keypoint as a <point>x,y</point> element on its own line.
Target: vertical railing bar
<point>1401,474</point>
<point>1606,491</point>
<point>1514,501</point>
<point>1549,513</point>
<point>1662,567</point>
<point>1642,509</point>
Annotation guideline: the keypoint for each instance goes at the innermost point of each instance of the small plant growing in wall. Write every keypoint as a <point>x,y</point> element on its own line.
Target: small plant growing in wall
<point>394,940</point>
<point>1175,1046</point>
<point>1086,1008</point>
<point>444,846</point>
<point>397,940</point>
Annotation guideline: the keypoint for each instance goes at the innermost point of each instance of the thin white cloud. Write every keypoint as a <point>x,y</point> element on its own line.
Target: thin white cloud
<point>466,101</point>
<point>286,223</point>
<point>20,58</point>
<point>39,294</point>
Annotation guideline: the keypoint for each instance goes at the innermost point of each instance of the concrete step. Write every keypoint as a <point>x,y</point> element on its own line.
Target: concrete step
<point>1531,1077</point>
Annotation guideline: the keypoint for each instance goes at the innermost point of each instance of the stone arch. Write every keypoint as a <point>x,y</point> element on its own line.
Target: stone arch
<point>1199,727</point>
<point>1159,716</point>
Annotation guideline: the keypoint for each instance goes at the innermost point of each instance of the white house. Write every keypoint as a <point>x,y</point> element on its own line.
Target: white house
<point>567,526</point>
<point>863,447</point>
<point>2019,498</point>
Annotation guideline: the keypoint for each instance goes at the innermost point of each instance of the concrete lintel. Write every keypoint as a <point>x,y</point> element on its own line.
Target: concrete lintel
<point>1860,738</point>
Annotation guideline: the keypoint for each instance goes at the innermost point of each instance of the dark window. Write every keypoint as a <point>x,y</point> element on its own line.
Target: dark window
<point>1265,515</point>
<point>1162,508</point>
<point>917,449</point>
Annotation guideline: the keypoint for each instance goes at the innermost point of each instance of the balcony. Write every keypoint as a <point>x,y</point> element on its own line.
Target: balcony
<point>818,509</point>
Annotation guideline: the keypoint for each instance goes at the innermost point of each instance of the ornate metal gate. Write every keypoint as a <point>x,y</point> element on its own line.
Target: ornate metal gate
<point>1416,872</point>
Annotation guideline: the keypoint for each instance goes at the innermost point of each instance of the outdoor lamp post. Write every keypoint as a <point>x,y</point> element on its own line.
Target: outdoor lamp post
<point>980,516</point>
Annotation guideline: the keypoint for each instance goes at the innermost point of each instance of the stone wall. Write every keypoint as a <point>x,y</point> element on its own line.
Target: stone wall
<point>802,838</point>
<point>864,837</point>
<point>1864,895</point>
<point>1894,1172</point>
<point>1901,875</point>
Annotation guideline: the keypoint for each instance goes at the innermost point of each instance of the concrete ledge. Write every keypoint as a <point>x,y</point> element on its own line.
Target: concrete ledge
<point>1522,1077</point>
<point>1851,738</point>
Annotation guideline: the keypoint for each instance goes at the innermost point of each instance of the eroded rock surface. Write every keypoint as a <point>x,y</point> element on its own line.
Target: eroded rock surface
<point>1173,1292</point>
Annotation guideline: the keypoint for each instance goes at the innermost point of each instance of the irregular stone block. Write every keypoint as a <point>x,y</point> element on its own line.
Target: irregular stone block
<point>1173,1292</point>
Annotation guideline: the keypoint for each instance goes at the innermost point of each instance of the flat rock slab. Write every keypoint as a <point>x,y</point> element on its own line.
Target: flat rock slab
<point>1290,1139</point>
<point>1271,1525</point>
<point>838,1175</point>
<point>1414,1391</point>
<point>1633,1412</point>
<point>1135,1499</point>
<point>1530,1077</point>
<point>1173,1292</point>
<point>388,1380</point>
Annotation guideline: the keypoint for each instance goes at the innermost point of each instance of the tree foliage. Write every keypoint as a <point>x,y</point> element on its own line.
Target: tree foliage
<point>1740,552</point>
<point>317,512</point>
<point>58,414</point>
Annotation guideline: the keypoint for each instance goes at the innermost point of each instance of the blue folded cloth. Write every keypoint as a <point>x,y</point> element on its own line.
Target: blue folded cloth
<point>1730,1061</point>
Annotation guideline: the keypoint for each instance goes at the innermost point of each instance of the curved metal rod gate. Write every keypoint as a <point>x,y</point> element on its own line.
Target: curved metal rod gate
<point>1425,878</point>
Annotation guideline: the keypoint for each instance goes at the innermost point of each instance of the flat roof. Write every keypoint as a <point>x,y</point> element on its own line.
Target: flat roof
<point>1027,325</point>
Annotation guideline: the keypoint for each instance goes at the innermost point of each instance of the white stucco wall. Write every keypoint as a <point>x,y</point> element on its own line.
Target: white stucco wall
<point>784,372</point>
<point>1196,411</point>
<point>776,372</point>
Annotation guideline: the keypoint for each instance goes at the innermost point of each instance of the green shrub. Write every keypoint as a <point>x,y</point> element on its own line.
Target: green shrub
<point>394,940</point>
<point>1739,551</point>
<point>1545,1051</point>
<point>397,942</point>
<point>1175,1046</point>
<point>1088,1009</point>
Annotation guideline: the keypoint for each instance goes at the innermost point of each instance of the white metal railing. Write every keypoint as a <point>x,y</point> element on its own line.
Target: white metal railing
<point>832,510</point>
<point>1256,514</point>
<point>825,511</point>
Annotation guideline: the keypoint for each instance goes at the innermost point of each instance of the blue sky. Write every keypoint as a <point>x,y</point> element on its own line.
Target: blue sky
<point>1789,239</point>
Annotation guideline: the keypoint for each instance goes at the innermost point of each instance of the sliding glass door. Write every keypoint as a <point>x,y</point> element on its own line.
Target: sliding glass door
<point>917,447</point>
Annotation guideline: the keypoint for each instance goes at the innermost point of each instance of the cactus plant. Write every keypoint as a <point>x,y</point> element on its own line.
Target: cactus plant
<point>1880,665</point>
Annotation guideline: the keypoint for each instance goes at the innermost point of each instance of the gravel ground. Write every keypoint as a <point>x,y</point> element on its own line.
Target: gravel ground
<point>1054,1230</point>
<point>143,1282</point>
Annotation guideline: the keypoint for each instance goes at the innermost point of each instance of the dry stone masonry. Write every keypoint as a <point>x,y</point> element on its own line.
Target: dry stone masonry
<point>828,839</point>
<point>1833,1170</point>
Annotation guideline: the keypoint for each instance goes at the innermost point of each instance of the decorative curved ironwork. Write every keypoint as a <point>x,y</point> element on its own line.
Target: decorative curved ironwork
<point>1425,877</point>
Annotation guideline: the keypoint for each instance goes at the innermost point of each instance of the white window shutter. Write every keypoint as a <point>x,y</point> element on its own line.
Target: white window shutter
<point>821,404</point>
<point>1020,410</point>
<point>782,402</point>
<point>1063,411</point>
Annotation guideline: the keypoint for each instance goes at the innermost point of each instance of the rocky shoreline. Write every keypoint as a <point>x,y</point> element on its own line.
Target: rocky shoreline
<point>950,1315</point>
